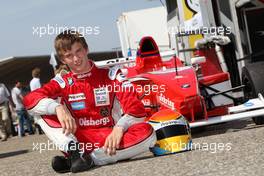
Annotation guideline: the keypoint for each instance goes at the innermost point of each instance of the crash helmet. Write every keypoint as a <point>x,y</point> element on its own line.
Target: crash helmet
<point>172,131</point>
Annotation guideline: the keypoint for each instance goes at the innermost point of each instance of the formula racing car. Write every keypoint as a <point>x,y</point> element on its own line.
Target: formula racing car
<point>173,91</point>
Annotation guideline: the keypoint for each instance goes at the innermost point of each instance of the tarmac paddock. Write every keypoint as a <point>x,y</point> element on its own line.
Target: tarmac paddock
<point>234,148</point>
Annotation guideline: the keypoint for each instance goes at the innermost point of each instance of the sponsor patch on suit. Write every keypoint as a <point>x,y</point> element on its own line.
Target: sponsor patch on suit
<point>70,81</point>
<point>104,112</point>
<point>101,96</point>
<point>76,97</point>
<point>78,105</point>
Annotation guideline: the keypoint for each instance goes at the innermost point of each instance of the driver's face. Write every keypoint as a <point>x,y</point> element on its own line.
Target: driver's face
<point>76,58</point>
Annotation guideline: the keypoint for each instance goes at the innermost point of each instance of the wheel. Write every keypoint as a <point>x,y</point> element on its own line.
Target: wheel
<point>252,78</point>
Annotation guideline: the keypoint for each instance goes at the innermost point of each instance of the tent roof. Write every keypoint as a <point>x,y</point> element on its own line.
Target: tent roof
<point>19,68</point>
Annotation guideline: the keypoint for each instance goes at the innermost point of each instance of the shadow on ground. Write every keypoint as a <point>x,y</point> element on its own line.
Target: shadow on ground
<point>216,129</point>
<point>14,153</point>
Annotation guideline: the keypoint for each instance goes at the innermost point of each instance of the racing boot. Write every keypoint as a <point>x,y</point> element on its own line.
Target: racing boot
<point>60,164</point>
<point>79,161</point>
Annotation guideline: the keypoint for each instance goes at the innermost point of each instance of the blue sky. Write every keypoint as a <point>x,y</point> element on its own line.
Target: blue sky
<point>21,22</point>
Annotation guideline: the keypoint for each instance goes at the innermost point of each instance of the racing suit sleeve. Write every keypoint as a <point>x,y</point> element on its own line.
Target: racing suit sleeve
<point>132,109</point>
<point>42,101</point>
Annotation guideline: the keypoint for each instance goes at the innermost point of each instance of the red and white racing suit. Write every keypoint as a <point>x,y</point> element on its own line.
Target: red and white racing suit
<point>98,103</point>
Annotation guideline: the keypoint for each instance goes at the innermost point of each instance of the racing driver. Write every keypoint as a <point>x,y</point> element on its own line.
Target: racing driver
<point>91,124</point>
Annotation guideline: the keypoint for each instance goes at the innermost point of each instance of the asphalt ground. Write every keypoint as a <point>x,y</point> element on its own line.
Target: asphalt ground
<point>234,148</point>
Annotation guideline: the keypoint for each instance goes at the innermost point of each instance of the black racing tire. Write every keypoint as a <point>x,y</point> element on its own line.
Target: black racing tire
<point>253,79</point>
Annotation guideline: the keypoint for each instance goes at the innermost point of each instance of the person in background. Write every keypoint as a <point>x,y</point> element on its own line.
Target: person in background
<point>20,110</point>
<point>35,84</point>
<point>35,81</point>
<point>5,123</point>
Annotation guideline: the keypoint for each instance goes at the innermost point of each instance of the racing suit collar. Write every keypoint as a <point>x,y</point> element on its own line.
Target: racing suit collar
<point>86,74</point>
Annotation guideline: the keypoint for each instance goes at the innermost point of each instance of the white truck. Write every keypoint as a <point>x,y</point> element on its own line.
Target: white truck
<point>132,26</point>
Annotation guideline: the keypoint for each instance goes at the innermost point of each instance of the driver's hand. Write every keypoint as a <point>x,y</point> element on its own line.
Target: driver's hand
<point>113,140</point>
<point>66,120</point>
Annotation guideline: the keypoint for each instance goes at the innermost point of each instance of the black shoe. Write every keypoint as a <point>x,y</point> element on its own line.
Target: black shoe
<point>80,161</point>
<point>22,135</point>
<point>40,132</point>
<point>31,133</point>
<point>38,128</point>
<point>60,164</point>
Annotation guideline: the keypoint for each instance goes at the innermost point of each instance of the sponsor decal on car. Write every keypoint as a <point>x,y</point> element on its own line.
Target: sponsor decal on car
<point>146,102</point>
<point>248,104</point>
<point>166,101</point>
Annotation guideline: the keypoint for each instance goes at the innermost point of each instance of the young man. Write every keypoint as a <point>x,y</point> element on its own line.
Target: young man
<point>93,124</point>
<point>20,110</point>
